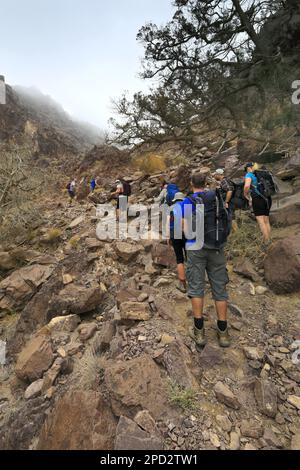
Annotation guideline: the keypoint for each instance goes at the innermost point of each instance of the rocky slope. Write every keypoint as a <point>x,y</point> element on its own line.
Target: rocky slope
<point>97,335</point>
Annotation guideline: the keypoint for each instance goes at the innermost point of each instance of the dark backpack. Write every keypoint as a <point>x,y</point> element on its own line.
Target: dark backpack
<point>238,199</point>
<point>216,221</point>
<point>266,183</point>
<point>172,189</point>
<point>126,188</point>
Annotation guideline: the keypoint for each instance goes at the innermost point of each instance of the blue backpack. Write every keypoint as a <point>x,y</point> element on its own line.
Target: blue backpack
<point>172,189</point>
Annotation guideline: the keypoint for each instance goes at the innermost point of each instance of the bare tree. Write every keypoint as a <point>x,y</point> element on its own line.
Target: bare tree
<point>20,186</point>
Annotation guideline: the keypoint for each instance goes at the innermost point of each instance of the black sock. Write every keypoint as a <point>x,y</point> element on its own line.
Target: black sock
<point>199,322</point>
<point>222,325</point>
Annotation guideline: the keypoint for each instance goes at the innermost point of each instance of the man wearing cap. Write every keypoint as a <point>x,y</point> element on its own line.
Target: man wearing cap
<point>226,186</point>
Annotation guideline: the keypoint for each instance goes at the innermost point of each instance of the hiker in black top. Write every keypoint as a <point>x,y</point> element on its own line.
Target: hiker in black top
<point>261,203</point>
<point>227,190</point>
<point>178,244</point>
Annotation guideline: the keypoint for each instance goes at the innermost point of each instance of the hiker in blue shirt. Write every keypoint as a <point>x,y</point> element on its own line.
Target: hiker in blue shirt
<point>209,259</point>
<point>261,205</point>
<point>93,185</point>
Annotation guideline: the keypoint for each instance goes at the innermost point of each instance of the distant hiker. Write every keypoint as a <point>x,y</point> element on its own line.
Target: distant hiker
<point>71,188</point>
<point>178,243</point>
<point>167,193</point>
<point>227,188</point>
<point>93,184</point>
<point>258,189</point>
<point>210,259</point>
<point>123,190</point>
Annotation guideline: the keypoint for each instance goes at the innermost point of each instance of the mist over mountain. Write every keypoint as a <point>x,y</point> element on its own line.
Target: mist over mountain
<point>47,111</point>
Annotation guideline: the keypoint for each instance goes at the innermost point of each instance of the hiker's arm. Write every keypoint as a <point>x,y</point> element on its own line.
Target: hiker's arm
<point>161,196</point>
<point>228,196</point>
<point>247,187</point>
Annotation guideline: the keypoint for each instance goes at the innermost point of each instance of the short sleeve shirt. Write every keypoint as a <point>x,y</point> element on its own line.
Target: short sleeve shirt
<point>254,182</point>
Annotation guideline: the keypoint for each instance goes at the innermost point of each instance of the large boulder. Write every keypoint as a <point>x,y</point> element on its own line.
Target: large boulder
<point>291,168</point>
<point>136,384</point>
<point>75,299</point>
<point>128,252</point>
<point>287,211</point>
<point>282,266</point>
<point>35,359</point>
<point>129,436</point>
<point>80,420</point>
<point>135,311</point>
<point>163,255</point>
<point>21,285</point>
<point>266,397</point>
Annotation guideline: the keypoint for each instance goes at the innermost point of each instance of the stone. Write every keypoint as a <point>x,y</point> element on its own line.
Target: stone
<point>249,446</point>
<point>271,439</point>
<point>34,389</point>
<point>261,290</point>
<point>252,428</point>
<point>146,422</point>
<point>215,441</point>
<point>235,310</point>
<point>143,297</point>
<point>86,331</point>
<point>245,268</point>
<point>224,422</point>
<point>166,339</point>
<point>7,261</point>
<point>64,324</point>
<point>179,363</point>
<point>51,375</point>
<point>73,414</point>
<point>129,436</point>
<point>104,337</point>
<point>211,356</point>
<point>73,348</point>
<point>76,222</point>
<point>266,397</point>
<point>128,252</point>
<point>137,384</point>
<point>21,285</point>
<point>282,265</point>
<point>163,255</point>
<point>295,443</point>
<point>67,279</point>
<point>93,243</point>
<point>77,300</point>
<point>135,311</point>
<point>225,396</point>
<point>234,441</point>
<point>36,357</point>
<point>254,354</point>
<point>294,400</point>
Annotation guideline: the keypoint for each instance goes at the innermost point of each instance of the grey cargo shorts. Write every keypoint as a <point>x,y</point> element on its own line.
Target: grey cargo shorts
<point>213,263</point>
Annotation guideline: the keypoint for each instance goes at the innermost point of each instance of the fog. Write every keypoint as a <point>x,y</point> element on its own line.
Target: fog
<point>80,52</point>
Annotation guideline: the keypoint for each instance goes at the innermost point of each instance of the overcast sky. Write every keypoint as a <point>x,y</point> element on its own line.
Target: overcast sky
<point>81,52</point>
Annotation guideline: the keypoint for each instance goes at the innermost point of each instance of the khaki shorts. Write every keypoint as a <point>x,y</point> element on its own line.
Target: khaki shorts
<point>212,262</point>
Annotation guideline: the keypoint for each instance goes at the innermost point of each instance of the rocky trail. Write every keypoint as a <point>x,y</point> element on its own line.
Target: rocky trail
<point>98,348</point>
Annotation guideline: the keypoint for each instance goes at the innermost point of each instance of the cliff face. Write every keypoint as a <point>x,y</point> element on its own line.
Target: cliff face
<point>30,115</point>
